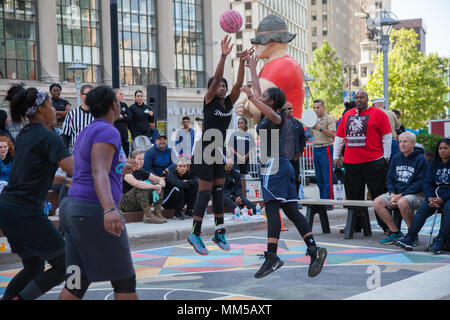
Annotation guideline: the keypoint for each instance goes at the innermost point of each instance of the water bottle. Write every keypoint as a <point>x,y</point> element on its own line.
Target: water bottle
<point>301,192</point>
<point>258,209</point>
<point>252,191</point>
<point>340,191</point>
<point>245,213</point>
<point>155,196</point>
<point>50,207</point>
<point>237,214</point>
<point>45,208</point>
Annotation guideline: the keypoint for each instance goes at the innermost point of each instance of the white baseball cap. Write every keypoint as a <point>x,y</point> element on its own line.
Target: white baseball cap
<point>377,100</point>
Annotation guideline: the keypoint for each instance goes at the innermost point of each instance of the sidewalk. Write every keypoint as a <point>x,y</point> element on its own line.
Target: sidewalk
<point>140,233</point>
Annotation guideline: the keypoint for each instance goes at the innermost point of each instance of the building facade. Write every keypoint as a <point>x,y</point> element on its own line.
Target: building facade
<point>175,43</point>
<point>293,12</point>
<point>335,22</point>
<point>419,27</point>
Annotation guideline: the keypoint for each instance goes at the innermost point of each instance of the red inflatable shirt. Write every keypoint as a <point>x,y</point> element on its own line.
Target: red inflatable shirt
<point>287,75</point>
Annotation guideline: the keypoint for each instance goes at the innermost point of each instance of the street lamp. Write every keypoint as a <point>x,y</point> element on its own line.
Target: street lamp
<point>351,70</point>
<point>384,23</point>
<point>77,67</point>
<point>308,91</point>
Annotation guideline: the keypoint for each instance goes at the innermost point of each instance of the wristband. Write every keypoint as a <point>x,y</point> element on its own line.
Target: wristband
<point>111,210</point>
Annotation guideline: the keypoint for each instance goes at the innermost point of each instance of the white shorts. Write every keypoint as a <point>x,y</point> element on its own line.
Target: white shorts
<point>415,200</point>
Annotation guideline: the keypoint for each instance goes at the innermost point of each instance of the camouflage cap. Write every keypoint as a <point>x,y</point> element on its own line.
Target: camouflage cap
<point>272,28</point>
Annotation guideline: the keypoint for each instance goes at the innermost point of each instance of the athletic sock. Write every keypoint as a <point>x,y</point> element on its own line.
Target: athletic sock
<point>219,221</point>
<point>197,227</point>
<point>309,240</point>
<point>272,247</point>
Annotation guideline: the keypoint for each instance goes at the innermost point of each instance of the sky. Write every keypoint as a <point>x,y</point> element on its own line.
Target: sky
<point>436,14</point>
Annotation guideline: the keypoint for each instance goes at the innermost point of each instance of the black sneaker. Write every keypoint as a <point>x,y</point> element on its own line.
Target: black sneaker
<point>318,256</point>
<point>271,264</point>
<point>178,216</point>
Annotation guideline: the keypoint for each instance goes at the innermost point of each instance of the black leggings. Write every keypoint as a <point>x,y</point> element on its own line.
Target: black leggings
<point>291,211</point>
<point>32,282</point>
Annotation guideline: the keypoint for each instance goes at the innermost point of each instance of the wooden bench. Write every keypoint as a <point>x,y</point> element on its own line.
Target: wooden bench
<point>356,208</point>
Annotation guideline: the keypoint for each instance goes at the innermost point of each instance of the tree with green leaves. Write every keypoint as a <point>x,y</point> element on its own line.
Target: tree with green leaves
<point>416,88</point>
<point>327,70</point>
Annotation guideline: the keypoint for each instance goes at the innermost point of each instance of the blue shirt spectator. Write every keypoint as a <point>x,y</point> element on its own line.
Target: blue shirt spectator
<point>158,159</point>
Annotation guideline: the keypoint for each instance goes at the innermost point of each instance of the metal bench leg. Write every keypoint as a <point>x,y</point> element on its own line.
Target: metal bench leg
<point>350,226</point>
<point>367,230</point>
<point>309,216</point>
<point>324,220</point>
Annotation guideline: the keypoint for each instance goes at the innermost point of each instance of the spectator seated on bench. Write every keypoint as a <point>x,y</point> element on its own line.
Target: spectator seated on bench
<point>181,189</point>
<point>233,197</point>
<point>437,194</point>
<point>138,190</point>
<point>404,183</point>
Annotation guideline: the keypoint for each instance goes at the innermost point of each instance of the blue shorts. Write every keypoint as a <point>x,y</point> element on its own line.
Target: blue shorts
<point>278,181</point>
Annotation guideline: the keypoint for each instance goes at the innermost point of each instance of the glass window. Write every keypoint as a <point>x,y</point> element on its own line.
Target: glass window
<point>79,38</point>
<point>19,52</point>
<point>189,43</point>
<point>138,42</point>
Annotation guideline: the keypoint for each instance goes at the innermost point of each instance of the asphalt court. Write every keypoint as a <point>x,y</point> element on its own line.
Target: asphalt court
<point>178,273</point>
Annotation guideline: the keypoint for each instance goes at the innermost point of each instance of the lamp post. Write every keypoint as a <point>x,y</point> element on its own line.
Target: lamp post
<point>77,67</point>
<point>307,91</point>
<point>351,70</point>
<point>384,23</point>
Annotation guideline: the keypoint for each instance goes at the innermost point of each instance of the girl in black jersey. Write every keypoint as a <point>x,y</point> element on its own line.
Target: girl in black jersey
<point>278,180</point>
<point>38,153</point>
<point>208,163</point>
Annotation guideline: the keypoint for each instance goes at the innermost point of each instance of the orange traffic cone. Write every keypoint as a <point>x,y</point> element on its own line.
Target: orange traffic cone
<point>281,219</point>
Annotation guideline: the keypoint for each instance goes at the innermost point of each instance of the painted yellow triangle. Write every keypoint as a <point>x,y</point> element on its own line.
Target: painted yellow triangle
<point>174,261</point>
<point>368,261</point>
<point>147,272</point>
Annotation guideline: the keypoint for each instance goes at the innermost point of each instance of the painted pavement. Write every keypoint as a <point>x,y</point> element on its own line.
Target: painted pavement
<point>177,273</point>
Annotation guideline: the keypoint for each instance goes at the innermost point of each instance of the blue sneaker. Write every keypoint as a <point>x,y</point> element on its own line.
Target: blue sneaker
<point>197,243</point>
<point>408,243</point>
<point>219,239</point>
<point>437,246</point>
<point>391,237</point>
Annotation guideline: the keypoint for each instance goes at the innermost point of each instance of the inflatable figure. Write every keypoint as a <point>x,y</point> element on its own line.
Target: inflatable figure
<point>280,70</point>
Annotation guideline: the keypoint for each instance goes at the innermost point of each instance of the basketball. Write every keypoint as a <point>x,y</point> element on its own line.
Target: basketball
<point>231,21</point>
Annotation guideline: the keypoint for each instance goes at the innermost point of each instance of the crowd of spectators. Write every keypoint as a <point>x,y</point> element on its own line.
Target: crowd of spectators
<point>162,178</point>
<point>368,141</point>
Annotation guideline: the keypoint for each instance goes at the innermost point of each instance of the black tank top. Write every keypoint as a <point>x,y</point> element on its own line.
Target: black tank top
<point>284,137</point>
<point>216,117</point>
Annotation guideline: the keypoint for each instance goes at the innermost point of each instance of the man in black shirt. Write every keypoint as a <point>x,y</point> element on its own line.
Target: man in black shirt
<point>141,120</point>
